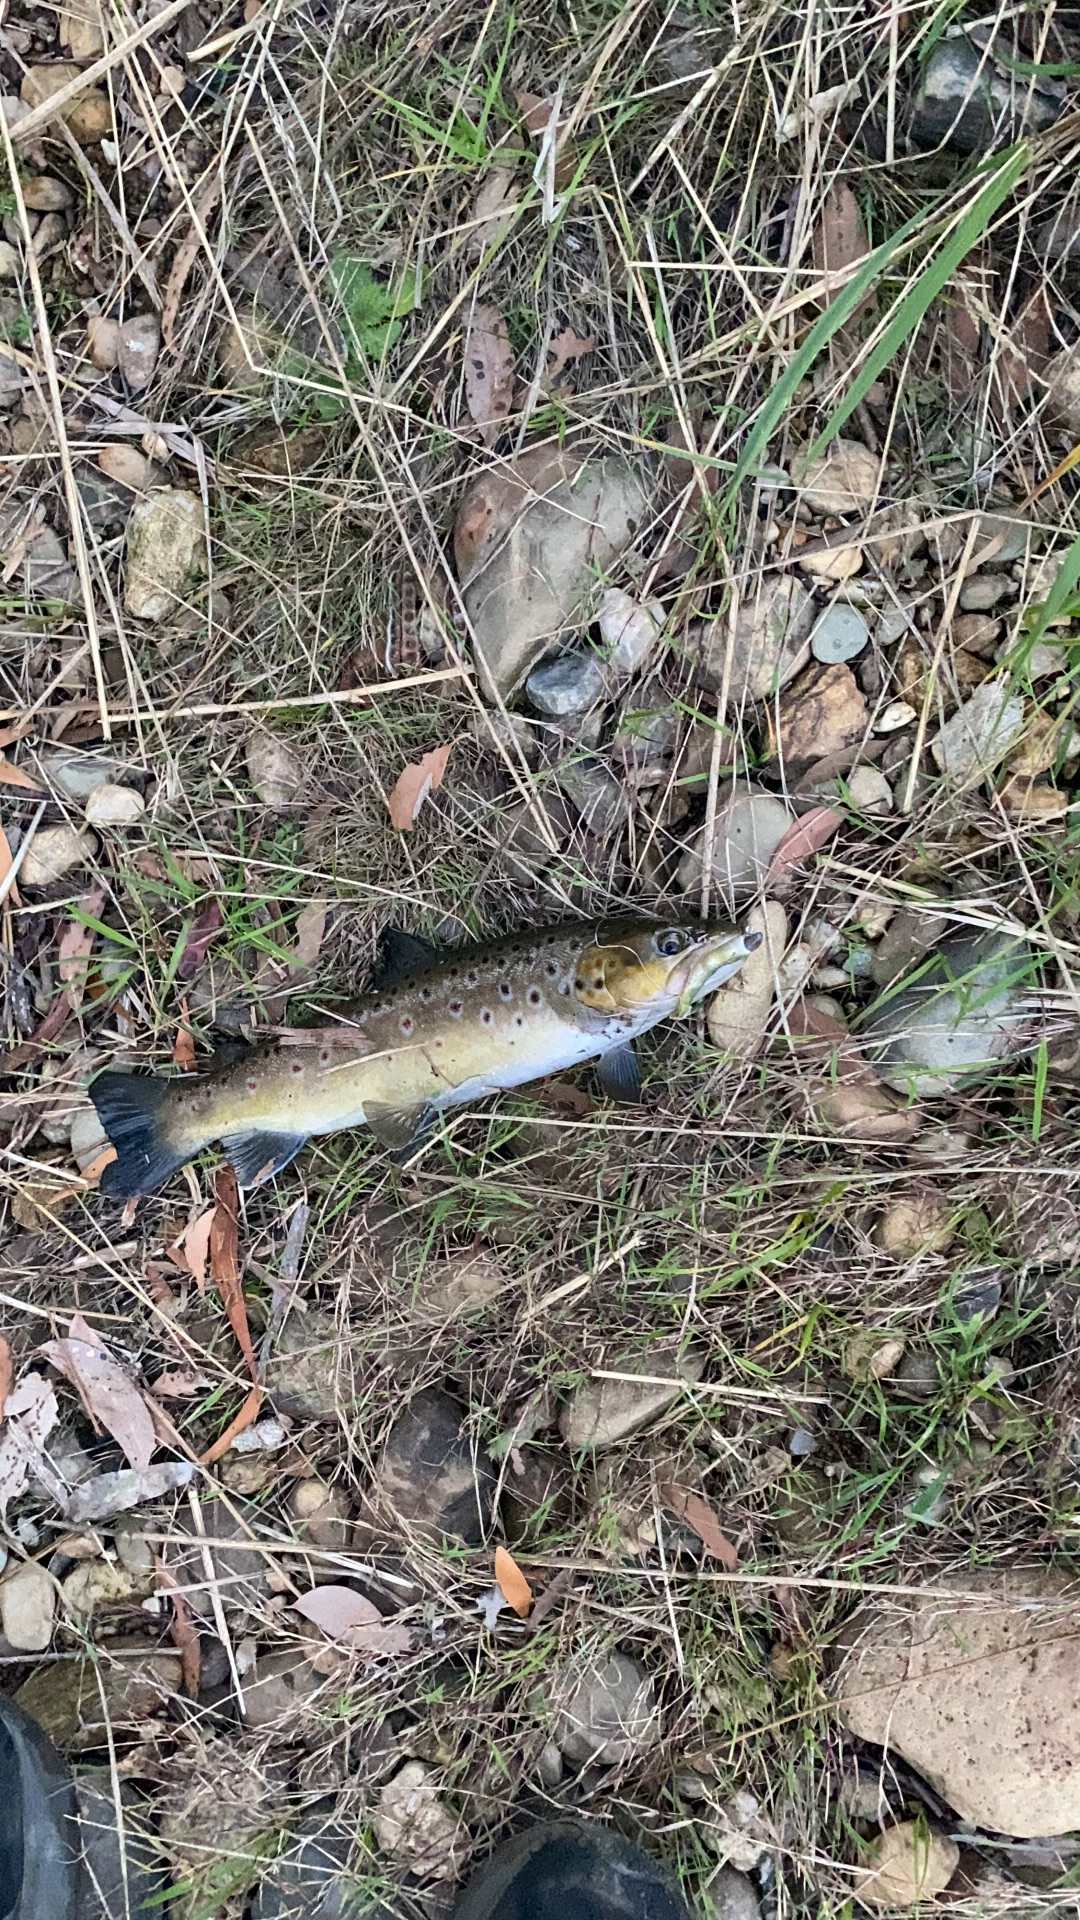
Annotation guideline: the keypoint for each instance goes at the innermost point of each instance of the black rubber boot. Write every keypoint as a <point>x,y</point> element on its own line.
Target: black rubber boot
<point>38,1869</point>
<point>566,1870</point>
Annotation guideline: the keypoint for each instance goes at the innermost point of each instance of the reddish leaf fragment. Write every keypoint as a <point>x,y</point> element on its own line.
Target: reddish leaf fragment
<point>110,1396</point>
<point>489,372</point>
<point>567,347</point>
<point>534,108</point>
<point>699,1516</point>
<point>515,1589</point>
<point>13,776</point>
<point>76,942</point>
<point>203,929</point>
<point>183,1633</point>
<point>495,189</point>
<point>353,1621</point>
<point>7,861</point>
<point>239,1424</point>
<point>413,785</point>
<point>804,838</point>
<point>191,1251</point>
<point>225,1262</point>
<point>840,238</point>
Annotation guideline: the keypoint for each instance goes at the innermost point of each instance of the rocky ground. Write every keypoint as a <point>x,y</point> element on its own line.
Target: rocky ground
<point>463,470</point>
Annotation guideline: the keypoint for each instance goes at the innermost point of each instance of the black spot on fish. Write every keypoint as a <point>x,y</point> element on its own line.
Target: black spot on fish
<point>295,1067</point>
<point>519,1019</point>
<point>579,984</point>
<point>565,989</point>
<point>506,991</point>
<point>534,996</point>
<point>551,968</point>
<point>425,994</point>
<point>472,978</point>
<point>486,1016</point>
<point>454,1009</point>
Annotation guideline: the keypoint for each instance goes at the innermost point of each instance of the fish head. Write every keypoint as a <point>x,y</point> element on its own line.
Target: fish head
<point>651,972</point>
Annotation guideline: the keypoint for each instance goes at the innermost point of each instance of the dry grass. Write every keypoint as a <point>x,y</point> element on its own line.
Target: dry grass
<point>723,1216</point>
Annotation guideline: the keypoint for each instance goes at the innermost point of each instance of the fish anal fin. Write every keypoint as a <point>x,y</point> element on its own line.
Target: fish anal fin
<point>257,1156</point>
<point>400,1128</point>
<point>620,1075</point>
<point>402,954</point>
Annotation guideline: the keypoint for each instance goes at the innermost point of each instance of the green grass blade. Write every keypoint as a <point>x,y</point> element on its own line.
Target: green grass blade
<point>932,280</point>
<point>1060,598</point>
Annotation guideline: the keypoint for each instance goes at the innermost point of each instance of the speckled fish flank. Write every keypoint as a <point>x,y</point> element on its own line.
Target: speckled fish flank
<point>455,1028</point>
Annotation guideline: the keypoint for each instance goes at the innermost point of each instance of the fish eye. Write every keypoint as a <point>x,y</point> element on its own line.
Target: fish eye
<point>671,940</point>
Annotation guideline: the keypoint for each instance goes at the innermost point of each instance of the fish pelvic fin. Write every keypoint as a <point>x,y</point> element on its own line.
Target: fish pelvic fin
<point>132,1108</point>
<point>258,1156</point>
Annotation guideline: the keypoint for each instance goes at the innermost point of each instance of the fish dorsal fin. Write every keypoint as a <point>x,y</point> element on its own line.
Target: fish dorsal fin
<point>591,979</point>
<point>401,954</point>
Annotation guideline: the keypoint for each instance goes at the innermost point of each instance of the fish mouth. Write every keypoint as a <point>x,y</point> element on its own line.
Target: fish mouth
<point>708,964</point>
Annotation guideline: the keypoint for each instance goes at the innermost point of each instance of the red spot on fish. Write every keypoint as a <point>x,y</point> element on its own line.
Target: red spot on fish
<point>406,1024</point>
<point>251,1084</point>
<point>296,1066</point>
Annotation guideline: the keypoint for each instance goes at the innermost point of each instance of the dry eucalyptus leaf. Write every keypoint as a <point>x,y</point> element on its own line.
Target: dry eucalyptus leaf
<point>489,372</point>
<point>802,839</point>
<point>698,1515</point>
<point>30,1414</point>
<point>107,1494</point>
<point>192,1251</point>
<point>412,786</point>
<point>353,1621</point>
<point>496,188</point>
<point>110,1397</point>
<point>567,347</point>
<point>513,1585</point>
<point>840,237</point>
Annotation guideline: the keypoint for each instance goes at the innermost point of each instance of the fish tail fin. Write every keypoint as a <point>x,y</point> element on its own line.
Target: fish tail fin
<point>132,1109</point>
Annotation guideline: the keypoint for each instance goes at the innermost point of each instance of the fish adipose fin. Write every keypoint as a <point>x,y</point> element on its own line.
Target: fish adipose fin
<point>131,1108</point>
<point>258,1156</point>
<point>620,1075</point>
<point>402,954</point>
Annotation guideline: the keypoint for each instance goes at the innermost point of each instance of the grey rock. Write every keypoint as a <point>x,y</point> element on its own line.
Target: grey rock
<point>608,1713</point>
<point>978,1299</point>
<point>769,643</point>
<point>801,1442</point>
<point>76,775</point>
<point>917,1374</point>
<point>983,592</point>
<point>960,1017</point>
<point>530,541</point>
<point>840,634</point>
<point>75,1700</point>
<point>105,504</point>
<point>970,104</point>
<point>1012,529</point>
<point>646,734</point>
<point>139,346</point>
<point>599,798</point>
<point>311,1881</point>
<point>50,235</point>
<point>567,686</point>
<point>166,552</point>
<point>603,1412</point>
<point>11,380</point>
<point>119,1870</point>
<point>432,1476</point>
<point>1059,237</point>
<point>894,621</point>
<point>747,831</point>
<point>980,733</point>
<point>302,1372</point>
<point>733,1896</point>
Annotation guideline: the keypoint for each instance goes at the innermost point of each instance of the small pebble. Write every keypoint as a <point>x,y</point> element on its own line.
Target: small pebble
<point>840,634</point>
<point>801,1443</point>
<point>103,342</point>
<point>139,346</point>
<point>978,1300</point>
<point>43,194</point>
<point>898,713</point>
<point>869,791</point>
<point>983,592</point>
<point>9,261</point>
<point>894,622</point>
<point>571,684</point>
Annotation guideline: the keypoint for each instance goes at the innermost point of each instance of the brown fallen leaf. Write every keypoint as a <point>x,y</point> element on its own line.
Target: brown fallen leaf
<point>567,347</point>
<point>489,209</point>
<point>182,1631</point>
<point>700,1517</point>
<point>308,935</point>
<point>111,1398</point>
<point>6,1372</point>
<point>191,1252</point>
<point>534,108</point>
<point>94,1168</point>
<point>489,372</point>
<point>352,1620</point>
<point>76,943</point>
<point>412,786</point>
<point>180,1383</point>
<point>840,238</point>
<point>225,1262</point>
<point>13,776</point>
<point>515,1589</point>
<point>803,838</point>
<point>185,257</point>
<point>203,929</point>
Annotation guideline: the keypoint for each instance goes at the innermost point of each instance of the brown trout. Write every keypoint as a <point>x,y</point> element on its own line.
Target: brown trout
<point>452,1027</point>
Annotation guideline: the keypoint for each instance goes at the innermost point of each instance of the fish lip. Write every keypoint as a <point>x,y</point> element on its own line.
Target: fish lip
<point>709,962</point>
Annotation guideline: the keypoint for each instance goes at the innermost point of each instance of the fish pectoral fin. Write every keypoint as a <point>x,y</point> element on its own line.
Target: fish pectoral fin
<point>256,1156</point>
<point>401,954</point>
<point>401,1128</point>
<point>620,1075</point>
